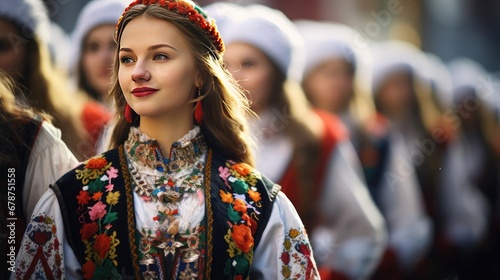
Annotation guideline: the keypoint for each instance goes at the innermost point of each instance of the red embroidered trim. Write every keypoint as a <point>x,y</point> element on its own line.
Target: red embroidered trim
<point>188,10</point>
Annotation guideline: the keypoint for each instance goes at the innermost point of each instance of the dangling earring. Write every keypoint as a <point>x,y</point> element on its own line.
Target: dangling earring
<point>128,113</point>
<point>198,110</point>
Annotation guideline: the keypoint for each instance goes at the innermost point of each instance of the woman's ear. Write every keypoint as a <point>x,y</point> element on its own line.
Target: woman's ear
<point>198,81</point>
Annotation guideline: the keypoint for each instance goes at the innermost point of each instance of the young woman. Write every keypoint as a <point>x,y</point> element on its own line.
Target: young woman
<point>307,151</point>
<point>25,56</point>
<point>177,196</point>
<point>32,156</point>
<point>94,47</point>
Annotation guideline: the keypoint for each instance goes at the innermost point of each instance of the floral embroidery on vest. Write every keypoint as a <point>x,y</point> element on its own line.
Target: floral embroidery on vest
<point>45,247</point>
<point>96,201</point>
<point>244,205</point>
<point>296,256</point>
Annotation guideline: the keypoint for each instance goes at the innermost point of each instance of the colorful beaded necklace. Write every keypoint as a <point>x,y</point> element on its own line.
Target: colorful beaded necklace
<point>174,187</point>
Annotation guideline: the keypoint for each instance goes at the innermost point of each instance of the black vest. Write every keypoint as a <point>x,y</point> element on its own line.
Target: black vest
<point>121,258</point>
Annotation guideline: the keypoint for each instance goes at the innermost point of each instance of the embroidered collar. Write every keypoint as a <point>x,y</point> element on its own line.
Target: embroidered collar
<point>145,152</point>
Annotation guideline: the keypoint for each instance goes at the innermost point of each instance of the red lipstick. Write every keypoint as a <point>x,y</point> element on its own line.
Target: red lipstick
<point>143,91</point>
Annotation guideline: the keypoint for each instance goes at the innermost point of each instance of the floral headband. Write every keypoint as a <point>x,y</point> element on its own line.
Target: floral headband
<point>189,10</point>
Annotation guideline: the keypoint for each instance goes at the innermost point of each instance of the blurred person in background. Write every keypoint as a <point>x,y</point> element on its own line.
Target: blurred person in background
<point>93,47</point>
<point>470,179</point>
<point>408,89</point>
<point>306,151</point>
<point>25,56</point>
<point>336,79</point>
<point>32,156</point>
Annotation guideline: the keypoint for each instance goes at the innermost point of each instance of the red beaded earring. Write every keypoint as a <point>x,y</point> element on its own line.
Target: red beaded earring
<point>128,113</point>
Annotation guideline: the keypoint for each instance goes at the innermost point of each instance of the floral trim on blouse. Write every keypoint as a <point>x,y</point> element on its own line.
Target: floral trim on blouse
<point>244,203</point>
<point>296,256</point>
<point>96,201</point>
<point>45,257</point>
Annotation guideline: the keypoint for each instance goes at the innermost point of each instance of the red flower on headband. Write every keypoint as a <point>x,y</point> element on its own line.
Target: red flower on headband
<point>194,13</point>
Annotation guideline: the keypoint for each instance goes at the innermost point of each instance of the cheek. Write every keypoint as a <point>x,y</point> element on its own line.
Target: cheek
<point>123,80</point>
<point>13,62</point>
<point>89,64</point>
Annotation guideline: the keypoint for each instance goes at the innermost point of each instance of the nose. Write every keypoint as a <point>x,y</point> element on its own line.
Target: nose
<point>140,73</point>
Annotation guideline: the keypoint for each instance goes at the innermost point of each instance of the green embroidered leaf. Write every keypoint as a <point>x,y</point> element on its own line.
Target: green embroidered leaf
<point>239,186</point>
<point>110,217</point>
<point>234,216</point>
<point>96,186</point>
<point>106,270</point>
<point>241,265</point>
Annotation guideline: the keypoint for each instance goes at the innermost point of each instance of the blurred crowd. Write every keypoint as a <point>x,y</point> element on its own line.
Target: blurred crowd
<point>389,154</point>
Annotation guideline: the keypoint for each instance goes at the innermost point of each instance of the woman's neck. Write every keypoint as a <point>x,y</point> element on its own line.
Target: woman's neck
<point>166,131</point>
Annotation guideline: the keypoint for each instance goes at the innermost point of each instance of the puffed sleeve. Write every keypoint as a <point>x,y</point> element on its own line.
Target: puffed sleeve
<point>44,252</point>
<point>284,251</point>
<point>352,236</point>
<point>49,159</point>
<point>401,202</point>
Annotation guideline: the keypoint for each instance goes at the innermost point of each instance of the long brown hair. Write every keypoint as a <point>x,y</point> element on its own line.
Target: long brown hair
<point>305,129</point>
<point>225,106</point>
<point>13,115</point>
<point>46,89</point>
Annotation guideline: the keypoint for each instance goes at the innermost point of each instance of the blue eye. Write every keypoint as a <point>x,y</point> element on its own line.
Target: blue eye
<point>160,56</point>
<point>126,59</point>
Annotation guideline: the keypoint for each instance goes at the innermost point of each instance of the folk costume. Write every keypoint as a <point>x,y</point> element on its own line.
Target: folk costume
<point>195,215</point>
<point>42,158</point>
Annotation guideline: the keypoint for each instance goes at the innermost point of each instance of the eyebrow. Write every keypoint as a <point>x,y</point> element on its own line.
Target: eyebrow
<point>154,47</point>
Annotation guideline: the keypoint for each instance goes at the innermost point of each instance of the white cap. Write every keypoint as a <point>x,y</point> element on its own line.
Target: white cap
<point>274,34</point>
<point>224,13</point>
<point>392,56</point>
<point>95,13</point>
<point>328,40</point>
<point>30,15</point>
<point>440,79</point>
<point>468,75</point>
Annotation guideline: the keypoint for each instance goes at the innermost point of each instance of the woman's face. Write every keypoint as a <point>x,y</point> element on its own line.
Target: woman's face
<point>12,50</point>
<point>330,85</point>
<point>253,70</point>
<point>97,57</point>
<point>157,72</point>
<point>395,96</point>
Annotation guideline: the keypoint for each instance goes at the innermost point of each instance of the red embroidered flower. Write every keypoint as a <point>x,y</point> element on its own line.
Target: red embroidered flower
<point>255,196</point>
<point>285,257</point>
<point>88,269</point>
<point>242,168</point>
<point>240,205</point>
<point>88,230</point>
<point>97,196</point>
<point>83,197</point>
<point>98,211</point>
<point>96,163</point>
<point>102,244</point>
<point>243,238</point>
